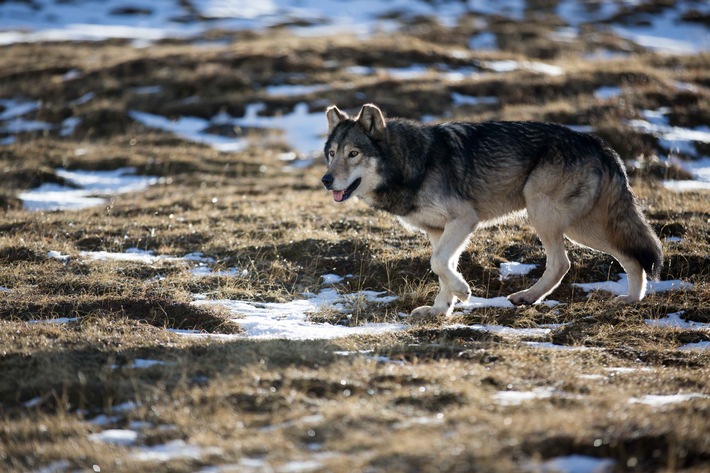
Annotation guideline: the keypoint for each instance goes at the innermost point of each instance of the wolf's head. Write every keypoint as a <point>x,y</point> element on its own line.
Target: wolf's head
<point>352,151</point>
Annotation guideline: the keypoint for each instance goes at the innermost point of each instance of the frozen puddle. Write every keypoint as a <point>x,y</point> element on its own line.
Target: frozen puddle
<point>289,320</point>
<point>90,189</point>
<point>620,287</point>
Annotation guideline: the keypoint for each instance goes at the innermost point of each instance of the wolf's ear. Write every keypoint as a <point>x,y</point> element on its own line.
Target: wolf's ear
<point>334,116</point>
<point>370,117</point>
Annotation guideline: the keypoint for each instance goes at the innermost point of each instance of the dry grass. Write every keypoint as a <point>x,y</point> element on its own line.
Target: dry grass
<point>423,399</point>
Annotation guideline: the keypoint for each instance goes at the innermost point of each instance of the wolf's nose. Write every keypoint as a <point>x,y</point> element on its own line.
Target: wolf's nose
<point>327,181</point>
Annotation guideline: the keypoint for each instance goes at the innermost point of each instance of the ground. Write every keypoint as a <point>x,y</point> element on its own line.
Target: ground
<point>116,364</point>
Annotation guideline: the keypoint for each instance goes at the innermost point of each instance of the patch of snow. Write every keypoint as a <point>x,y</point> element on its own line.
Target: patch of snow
<point>35,401</point>
<point>147,90</point>
<point>620,287</point>
<point>479,302</point>
<point>552,346</point>
<point>14,108</point>
<point>173,450</point>
<point>58,320</point>
<point>287,90</point>
<point>654,400</point>
<point>577,464</point>
<point>607,92</point>
<point>508,331</point>
<point>460,99</point>
<point>121,437</point>
<point>514,269</point>
<point>125,406</point>
<point>190,129</point>
<point>59,466</point>
<point>104,420</point>
<point>204,271</point>
<point>699,168</point>
<point>304,131</point>
<point>665,33</point>
<point>514,398</point>
<point>674,321</point>
<point>697,346</point>
<point>509,65</point>
<point>288,320</point>
<point>482,41</point>
<point>329,279</point>
<point>141,363</point>
<point>614,370</point>
<point>90,185</point>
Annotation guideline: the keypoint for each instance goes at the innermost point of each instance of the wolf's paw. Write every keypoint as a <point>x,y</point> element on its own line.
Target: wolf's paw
<point>522,298</point>
<point>625,299</point>
<point>426,313</point>
<point>461,291</point>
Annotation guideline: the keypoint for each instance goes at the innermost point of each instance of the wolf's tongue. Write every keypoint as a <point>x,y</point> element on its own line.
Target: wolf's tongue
<point>338,195</point>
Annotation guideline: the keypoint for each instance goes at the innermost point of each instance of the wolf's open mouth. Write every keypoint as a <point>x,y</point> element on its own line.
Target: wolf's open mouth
<point>340,196</point>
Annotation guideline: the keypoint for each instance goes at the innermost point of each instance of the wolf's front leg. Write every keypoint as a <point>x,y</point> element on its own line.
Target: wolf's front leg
<point>445,257</point>
<point>443,305</point>
<point>447,247</point>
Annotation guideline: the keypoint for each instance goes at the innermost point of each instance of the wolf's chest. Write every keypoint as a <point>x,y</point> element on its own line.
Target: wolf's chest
<point>428,217</point>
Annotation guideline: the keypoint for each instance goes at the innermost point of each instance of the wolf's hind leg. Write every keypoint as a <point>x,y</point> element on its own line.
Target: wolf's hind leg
<point>593,235</point>
<point>556,267</point>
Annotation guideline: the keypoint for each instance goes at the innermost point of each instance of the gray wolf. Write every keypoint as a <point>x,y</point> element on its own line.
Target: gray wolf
<point>448,179</point>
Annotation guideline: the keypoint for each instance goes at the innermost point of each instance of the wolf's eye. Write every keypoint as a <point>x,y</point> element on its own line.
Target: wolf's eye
<point>331,153</point>
<point>352,154</point>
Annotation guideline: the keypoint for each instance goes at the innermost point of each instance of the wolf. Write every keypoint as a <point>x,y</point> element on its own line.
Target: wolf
<point>451,178</point>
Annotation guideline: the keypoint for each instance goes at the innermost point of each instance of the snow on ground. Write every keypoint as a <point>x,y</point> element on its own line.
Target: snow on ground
<point>123,437</point>
<point>664,33</point>
<point>172,450</point>
<point>514,269</point>
<point>289,320</point>
<point>654,400</point>
<point>576,464</point>
<point>697,346</point>
<point>12,121</point>
<point>515,398</point>
<point>190,129</point>
<point>678,140</point>
<point>48,20</point>
<point>620,287</point>
<point>303,131</point>
<point>675,321</point>
<point>88,188</point>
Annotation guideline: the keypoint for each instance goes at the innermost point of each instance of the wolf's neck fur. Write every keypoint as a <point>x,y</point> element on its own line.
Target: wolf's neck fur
<point>404,168</point>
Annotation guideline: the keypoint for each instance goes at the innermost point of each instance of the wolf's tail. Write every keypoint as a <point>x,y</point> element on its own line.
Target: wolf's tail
<point>632,234</point>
